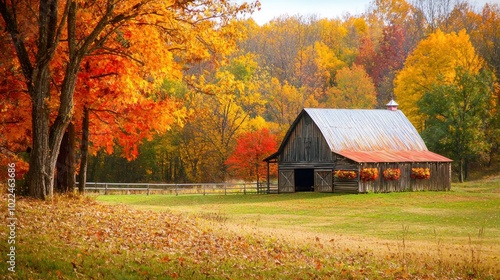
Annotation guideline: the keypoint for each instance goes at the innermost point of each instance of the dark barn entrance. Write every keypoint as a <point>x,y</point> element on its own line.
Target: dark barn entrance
<point>304,180</point>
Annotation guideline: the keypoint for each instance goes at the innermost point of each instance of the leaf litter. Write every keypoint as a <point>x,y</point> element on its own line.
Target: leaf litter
<point>97,240</point>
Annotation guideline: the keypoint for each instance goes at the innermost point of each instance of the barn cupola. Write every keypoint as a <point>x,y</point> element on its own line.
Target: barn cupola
<point>392,105</point>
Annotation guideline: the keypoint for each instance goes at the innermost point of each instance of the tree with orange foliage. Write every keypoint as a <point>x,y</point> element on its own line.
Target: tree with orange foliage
<point>247,160</point>
<point>51,41</point>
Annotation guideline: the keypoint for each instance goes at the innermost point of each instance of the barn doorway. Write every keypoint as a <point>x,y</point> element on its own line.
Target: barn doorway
<point>304,180</point>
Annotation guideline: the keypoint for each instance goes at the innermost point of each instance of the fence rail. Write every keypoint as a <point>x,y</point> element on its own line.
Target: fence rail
<point>176,189</point>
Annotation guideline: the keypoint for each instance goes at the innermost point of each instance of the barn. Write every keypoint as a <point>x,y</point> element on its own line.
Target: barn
<point>357,151</point>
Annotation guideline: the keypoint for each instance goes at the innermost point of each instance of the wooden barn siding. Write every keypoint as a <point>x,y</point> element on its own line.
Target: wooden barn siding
<point>286,181</point>
<point>439,180</point>
<point>307,148</point>
<point>323,180</point>
<point>342,185</point>
<point>382,185</point>
<point>306,144</point>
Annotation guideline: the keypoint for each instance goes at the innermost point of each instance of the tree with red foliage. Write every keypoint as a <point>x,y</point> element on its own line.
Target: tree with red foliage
<point>389,59</point>
<point>247,159</point>
<point>53,42</point>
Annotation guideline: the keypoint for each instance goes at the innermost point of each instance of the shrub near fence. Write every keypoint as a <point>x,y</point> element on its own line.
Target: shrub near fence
<point>176,189</point>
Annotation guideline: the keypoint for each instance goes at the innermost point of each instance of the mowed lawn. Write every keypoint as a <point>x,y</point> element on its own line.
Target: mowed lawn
<point>466,218</point>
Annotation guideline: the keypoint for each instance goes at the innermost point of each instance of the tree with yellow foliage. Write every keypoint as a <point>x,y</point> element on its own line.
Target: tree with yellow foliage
<point>434,61</point>
<point>354,89</point>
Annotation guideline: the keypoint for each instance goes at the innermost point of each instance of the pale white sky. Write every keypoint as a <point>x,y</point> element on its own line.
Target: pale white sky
<point>323,8</point>
<point>270,9</point>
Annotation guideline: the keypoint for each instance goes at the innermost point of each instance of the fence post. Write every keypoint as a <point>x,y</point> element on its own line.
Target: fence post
<point>225,189</point>
<point>204,186</point>
<point>176,193</point>
<point>105,189</point>
<point>244,188</point>
<point>148,189</point>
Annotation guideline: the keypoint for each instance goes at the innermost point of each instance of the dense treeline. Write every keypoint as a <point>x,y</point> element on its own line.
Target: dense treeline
<point>221,83</point>
<point>358,61</point>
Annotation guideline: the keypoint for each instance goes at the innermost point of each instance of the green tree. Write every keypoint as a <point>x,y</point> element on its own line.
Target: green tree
<point>458,117</point>
<point>435,60</point>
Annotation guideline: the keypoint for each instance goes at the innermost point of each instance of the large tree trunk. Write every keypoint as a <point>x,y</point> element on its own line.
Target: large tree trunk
<point>39,176</point>
<point>47,139</point>
<point>84,150</point>
<point>62,168</point>
<point>65,179</point>
<point>72,157</point>
<point>51,20</point>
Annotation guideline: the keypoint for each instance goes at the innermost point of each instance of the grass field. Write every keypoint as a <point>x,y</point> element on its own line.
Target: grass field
<point>455,224</point>
<point>420,235</point>
<point>452,216</point>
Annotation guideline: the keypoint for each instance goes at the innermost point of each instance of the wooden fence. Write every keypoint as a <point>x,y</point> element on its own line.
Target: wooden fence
<point>176,189</point>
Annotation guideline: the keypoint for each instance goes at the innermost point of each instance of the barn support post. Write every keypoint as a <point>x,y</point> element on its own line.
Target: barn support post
<point>358,177</point>
<point>268,179</point>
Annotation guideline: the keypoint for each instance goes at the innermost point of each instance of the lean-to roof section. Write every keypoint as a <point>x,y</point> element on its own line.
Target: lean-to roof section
<point>393,156</point>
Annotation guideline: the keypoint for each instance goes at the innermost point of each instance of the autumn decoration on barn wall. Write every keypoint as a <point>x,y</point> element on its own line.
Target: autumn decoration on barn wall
<point>420,173</point>
<point>369,174</point>
<point>392,174</point>
<point>344,174</point>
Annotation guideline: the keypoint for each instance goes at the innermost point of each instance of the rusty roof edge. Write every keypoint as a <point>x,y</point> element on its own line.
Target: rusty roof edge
<point>376,156</point>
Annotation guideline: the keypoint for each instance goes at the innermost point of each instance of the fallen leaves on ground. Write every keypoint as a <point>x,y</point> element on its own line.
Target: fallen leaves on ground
<point>93,240</point>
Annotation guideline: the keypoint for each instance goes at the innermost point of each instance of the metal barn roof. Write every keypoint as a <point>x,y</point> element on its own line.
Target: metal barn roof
<point>366,130</point>
<point>369,135</point>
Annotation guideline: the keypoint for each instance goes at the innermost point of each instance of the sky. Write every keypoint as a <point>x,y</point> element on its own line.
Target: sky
<point>270,9</point>
<point>322,8</point>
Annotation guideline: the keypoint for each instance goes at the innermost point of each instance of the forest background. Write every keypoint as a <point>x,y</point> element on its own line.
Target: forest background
<point>216,114</point>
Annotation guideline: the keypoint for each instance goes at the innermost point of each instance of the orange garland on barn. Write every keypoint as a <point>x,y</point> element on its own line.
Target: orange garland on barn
<point>369,174</point>
<point>392,174</point>
<point>420,173</point>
